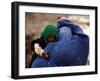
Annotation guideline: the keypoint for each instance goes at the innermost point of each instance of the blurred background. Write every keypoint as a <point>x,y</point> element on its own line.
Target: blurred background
<point>36,22</point>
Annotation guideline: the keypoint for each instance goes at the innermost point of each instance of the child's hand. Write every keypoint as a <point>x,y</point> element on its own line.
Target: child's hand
<point>45,55</point>
<point>38,49</point>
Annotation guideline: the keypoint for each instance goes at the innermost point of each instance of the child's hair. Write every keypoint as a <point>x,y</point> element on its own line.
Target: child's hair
<point>40,41</point>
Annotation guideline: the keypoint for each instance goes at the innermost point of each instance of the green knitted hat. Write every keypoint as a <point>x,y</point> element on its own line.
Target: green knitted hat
<point>50,30</point>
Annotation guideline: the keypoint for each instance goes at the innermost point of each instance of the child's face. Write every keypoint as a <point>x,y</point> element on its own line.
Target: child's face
<point>51,38</point>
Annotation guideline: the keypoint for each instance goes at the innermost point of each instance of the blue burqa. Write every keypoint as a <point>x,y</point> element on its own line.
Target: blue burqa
<point>71,49</point>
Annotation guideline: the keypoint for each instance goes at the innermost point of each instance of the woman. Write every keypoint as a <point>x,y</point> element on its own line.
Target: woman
<point>71,49</point>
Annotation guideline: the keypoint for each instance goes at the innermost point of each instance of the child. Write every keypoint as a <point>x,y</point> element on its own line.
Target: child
<point>49,34</point>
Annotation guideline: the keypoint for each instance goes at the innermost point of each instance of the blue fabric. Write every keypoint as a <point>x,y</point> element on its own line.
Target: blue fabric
<point>70,49</point>
<point>41,62</point>
<point>67,23</point>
